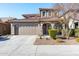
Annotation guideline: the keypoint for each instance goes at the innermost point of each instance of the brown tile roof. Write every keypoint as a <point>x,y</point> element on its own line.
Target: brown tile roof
<point>54,8</point>
<point>23,20</point>
<point>50,19</point>
<point>31,16</point>
<point>3,22</point>
<point>46,9</point>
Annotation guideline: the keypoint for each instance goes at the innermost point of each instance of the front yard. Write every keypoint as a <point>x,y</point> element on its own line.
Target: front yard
<point>58,41</point>
<point>23,45</point>
<point>53,38</point>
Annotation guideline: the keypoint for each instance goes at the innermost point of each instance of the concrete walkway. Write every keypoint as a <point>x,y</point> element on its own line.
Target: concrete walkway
<point>22,45</point>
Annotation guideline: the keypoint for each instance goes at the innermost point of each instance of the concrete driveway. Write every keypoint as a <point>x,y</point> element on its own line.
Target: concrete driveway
<point>22,45</point>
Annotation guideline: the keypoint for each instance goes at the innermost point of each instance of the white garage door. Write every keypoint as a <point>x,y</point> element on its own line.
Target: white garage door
<point>28,28</point>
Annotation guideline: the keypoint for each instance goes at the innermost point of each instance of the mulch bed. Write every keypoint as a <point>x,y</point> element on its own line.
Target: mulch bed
<point>44,41</point>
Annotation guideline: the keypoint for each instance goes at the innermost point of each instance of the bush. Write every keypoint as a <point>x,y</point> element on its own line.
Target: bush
<point>77,39</point>
<point>72,33</point>
<point>77,32</point>
<point>52,33</point>
<point>59,31</point>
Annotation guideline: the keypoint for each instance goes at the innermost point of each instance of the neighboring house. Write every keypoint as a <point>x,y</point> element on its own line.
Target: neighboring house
<point>5,27</point>
<point>38,24</point>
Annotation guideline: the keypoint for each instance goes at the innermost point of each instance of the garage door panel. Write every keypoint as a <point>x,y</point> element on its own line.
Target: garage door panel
<point>28,29</point>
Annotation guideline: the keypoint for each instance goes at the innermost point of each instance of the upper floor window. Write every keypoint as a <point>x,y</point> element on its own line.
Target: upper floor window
<point>43,13</point>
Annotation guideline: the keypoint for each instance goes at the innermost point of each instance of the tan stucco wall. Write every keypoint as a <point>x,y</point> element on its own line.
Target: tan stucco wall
<point>12,28</point>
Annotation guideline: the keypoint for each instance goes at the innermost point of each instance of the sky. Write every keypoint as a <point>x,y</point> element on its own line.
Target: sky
<point>17,9</point>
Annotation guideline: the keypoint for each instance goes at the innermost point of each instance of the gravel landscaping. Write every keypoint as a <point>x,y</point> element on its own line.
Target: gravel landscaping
<point>59,41</point>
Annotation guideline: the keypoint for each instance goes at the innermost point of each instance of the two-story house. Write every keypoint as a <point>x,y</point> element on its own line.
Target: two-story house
<point>38,24</point>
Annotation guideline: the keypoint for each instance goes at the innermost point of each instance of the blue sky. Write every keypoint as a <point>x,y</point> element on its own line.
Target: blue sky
<point>17,9</point>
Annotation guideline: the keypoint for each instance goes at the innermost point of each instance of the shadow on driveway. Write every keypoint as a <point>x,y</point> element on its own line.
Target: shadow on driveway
<point>3,38</point>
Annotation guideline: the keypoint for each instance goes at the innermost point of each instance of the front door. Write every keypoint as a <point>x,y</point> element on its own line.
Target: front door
<point>45,28</point>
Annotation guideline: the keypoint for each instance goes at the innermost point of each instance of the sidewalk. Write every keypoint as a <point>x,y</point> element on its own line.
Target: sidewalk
<point>22,45</point>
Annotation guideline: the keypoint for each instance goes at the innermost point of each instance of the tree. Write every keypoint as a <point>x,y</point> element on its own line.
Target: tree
<point>66,7</point>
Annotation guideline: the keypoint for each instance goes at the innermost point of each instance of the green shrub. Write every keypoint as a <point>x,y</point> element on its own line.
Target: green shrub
<point>77,39</point>
<point>77,32</point>
<point>52,33</point>
<point>72,33</point>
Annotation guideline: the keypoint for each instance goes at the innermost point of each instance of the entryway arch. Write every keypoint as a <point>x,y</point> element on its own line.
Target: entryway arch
<point>45,28</point>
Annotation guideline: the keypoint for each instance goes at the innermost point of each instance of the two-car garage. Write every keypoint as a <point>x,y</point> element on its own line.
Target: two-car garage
<point>25,28</point>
